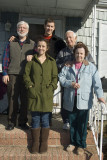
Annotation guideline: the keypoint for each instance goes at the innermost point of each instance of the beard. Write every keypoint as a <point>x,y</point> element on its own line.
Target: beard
<point>22,34</point>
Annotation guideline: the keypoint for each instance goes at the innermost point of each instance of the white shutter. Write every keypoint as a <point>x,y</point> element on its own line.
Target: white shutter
<point>102,56</point>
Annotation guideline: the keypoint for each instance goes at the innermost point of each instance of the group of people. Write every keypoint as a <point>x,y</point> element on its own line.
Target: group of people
<point>31,72</point>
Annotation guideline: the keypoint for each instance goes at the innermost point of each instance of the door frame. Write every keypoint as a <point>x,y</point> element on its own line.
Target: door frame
<point>59,23</point>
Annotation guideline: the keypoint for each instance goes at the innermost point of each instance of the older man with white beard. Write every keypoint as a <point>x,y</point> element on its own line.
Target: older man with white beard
<point>14,60</point>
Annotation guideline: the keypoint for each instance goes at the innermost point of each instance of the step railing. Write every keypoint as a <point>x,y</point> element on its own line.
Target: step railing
<point>96,116</point>
<point>57,99</point>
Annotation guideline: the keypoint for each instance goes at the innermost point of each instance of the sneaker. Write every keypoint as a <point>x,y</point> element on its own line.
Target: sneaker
<point>80,151</point>
<point>66,126</point>
<point>70,148</point>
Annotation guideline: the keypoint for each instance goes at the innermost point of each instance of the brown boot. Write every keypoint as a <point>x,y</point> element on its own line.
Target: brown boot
<point>44,140</point>
<point>35,140</point>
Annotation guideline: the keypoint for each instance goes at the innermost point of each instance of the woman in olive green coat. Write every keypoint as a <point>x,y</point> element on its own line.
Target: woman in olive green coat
<point>40,80</point>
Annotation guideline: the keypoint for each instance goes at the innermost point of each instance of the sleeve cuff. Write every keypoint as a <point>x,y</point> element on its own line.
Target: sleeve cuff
<point>4,73</point>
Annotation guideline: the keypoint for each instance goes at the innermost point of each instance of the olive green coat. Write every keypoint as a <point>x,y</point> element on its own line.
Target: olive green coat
<point>43,79</point>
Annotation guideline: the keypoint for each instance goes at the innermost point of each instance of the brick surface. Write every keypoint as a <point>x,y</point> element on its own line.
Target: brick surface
<point>15,145</point>
<point>22,153</point>
<point>56,137</point>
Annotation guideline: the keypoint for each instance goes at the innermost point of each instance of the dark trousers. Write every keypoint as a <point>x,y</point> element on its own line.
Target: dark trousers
<point>16,90</point>
<point>64,113</point>
<point>78,126</point>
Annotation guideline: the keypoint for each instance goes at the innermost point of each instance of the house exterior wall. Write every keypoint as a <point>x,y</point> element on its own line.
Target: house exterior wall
<point>4,36</point>
<point>84,33</point>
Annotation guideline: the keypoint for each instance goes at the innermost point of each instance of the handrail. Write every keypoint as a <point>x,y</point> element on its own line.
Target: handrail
<point>103,112</point>
<point>94,117</point>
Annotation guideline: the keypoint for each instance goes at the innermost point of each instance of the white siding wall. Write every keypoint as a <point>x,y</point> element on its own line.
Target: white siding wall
<point>85,32</point>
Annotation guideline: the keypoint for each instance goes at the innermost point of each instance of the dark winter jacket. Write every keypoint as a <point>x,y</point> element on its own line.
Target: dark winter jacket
<point>55,45</point>
<point>67,54</point>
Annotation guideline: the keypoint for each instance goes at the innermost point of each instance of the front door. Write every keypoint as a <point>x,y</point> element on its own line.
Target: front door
<point>35,30</point>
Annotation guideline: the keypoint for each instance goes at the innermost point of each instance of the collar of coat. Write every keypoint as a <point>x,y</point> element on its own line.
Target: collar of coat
<point>27,41</point>
<point>85,62</point>
<point>48,57</point>
<point>54,37</point>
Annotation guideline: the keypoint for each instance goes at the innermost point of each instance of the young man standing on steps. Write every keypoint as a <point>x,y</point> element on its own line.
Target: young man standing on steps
<point>55,43</point>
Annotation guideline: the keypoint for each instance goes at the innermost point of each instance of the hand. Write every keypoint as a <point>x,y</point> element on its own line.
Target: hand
<point>30,86</point>
<point>102,100</point>
<point>68,64</point>
<point>5,79</point>
<point>75,85</point>
<point>12,38</point>
<point>29,58</point>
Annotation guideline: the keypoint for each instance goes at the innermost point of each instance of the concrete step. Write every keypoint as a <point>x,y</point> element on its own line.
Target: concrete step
<point>55,153</point>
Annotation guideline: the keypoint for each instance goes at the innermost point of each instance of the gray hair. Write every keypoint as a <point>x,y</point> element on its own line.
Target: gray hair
<point>22,22</point>
<point>74,34</point>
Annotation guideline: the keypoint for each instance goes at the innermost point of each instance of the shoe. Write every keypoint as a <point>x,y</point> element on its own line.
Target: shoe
<point>66,126</point>
<point>24,126</point>
<point>10,127</point>
<point>70,148</point>
<point>80,151</point>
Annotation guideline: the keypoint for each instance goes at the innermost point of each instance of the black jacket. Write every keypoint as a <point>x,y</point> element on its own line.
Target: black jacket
<point>65,55</point>
<point>55,45</point>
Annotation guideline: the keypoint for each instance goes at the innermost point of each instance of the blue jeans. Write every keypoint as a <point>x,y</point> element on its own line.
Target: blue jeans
<point>40,119</point>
